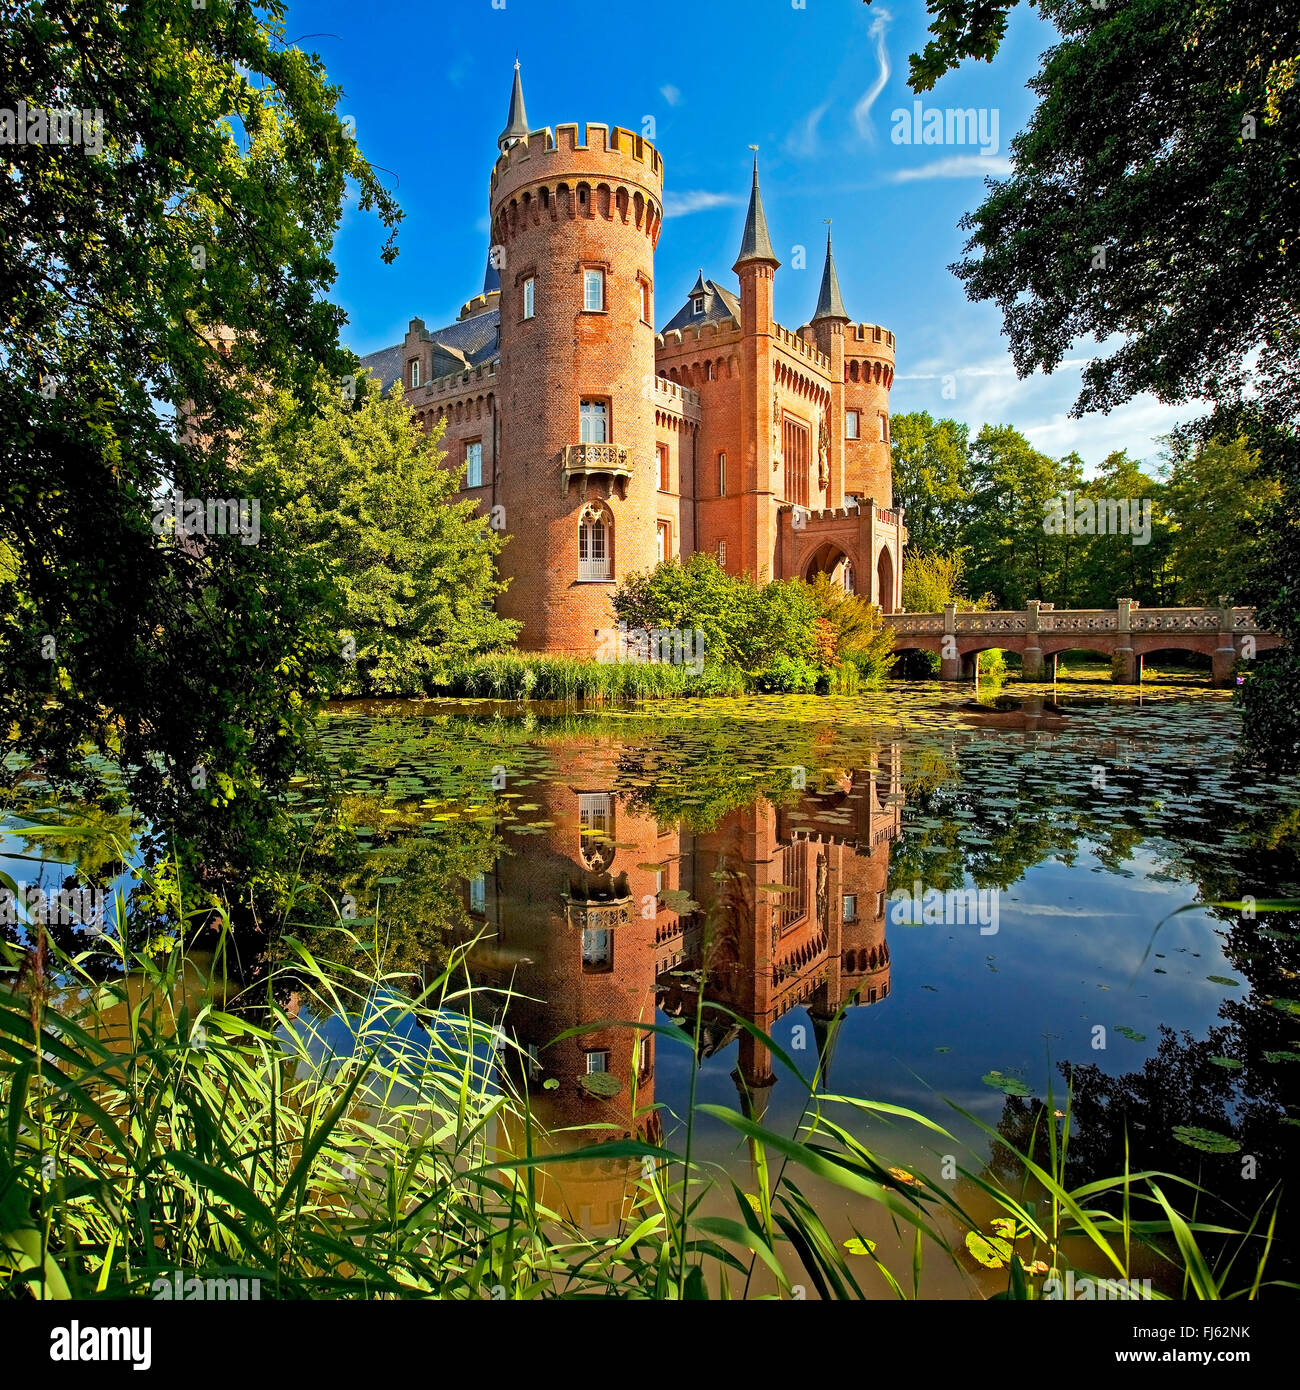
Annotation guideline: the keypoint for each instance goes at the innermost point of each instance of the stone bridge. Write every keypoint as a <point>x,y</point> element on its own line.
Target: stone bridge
<point>1125,633</point>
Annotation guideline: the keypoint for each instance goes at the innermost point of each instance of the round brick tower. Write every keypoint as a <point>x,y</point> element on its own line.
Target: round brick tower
<point>868,375</point>
<point>574,224</point>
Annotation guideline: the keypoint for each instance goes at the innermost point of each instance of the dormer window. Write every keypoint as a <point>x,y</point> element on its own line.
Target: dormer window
<point>697,304</point>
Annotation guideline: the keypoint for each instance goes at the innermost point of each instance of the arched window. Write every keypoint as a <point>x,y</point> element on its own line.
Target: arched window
<point>595,549</point>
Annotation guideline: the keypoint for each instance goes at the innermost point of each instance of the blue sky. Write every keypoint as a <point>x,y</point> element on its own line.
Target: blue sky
<point>814,87</point>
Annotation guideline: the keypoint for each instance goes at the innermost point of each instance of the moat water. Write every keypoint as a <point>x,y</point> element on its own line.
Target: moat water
<point>960,906</point>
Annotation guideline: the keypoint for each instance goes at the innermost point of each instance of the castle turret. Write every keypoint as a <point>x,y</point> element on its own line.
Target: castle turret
<point>756,267</point>
<point>827,334</point>
<point>576,221</point>
<point>868,375</point>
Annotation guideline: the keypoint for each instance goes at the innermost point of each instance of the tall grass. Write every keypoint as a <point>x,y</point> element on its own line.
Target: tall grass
<point>337,1133</point>
<point>522,676</point>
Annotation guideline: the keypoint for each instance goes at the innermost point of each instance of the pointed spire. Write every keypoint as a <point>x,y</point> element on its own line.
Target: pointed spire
<point>517,119</point>
<point>491,277</point>
<point>755,245</point>
<point>699,286</point>
<point>830,305</point>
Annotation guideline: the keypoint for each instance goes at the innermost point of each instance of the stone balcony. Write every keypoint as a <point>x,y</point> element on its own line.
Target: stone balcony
<point>597,460</point>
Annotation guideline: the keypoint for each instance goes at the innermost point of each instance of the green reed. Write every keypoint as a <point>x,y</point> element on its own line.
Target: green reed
<point>159,1117</point>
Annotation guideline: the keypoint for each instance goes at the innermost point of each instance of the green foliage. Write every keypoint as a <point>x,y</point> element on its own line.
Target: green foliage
<point>931,582</point>
<point>1193,199</point>
<point>190,669</point>
<point>784,636</point>
<point>334,1138</point>
<point>525,676</point>
<point>931,460</point>
<point>365,493</point>
<point>1221,509</point>
<point>1011,555</point>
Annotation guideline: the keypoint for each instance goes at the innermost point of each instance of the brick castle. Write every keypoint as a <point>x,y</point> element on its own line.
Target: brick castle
<point>601,446</point>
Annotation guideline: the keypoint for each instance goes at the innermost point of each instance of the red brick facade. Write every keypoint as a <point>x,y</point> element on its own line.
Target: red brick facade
<point>600,446</point>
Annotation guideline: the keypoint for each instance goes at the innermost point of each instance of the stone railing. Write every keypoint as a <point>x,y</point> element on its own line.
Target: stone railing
<point>1126,616</point>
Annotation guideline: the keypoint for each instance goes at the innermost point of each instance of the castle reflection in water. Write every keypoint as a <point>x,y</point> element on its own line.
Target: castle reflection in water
<point>608,915</point>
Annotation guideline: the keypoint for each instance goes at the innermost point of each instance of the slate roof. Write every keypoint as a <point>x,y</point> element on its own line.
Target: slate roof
<point>475,339</point>
<point>516,117</point>
<point>719,306</point>
<point>756,244</point>
<point>830,304</point>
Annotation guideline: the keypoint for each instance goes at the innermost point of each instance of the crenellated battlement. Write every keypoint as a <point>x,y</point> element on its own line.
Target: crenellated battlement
<point>676,399</point>
<point>801,346</point>
<point>605,152</point>
<point>868,339</point>
<point>454,383</point>
<point>715,333</point>
<point>480,304</point>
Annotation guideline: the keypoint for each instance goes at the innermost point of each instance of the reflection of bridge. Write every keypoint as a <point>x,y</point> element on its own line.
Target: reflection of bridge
<point>1126,633</point>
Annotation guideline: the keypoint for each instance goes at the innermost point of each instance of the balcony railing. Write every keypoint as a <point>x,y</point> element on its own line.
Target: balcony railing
<point>584,460</point>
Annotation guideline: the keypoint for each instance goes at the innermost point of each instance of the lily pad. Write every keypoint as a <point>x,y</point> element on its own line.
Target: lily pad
<point>600,1083</point>
<point>1208,1141</point>
<point>991,1251</point>
<point>1008,1085</point>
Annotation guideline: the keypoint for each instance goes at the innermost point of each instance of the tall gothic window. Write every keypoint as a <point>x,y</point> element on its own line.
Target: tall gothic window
<point>594,422</point>
<point>794,442</point>
<point>594,558</point>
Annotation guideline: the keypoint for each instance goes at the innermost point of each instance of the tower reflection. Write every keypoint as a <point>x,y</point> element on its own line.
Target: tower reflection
<point>607,915</point>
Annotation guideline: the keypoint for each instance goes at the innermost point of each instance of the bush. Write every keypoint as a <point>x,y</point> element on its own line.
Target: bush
<point>786,635</point>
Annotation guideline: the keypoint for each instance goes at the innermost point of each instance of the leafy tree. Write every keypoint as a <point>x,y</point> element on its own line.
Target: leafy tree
<point>1011,554</point>
<point>931,478</point>
<point>1220,508</point>
<point>208,195</point>
<point>366,493</point>
<point>1115,565</point>
<point>1153,203</point>
<point>932,582</point>
<point>785,635</point>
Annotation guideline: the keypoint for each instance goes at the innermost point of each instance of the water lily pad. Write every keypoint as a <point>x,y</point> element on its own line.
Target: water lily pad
<point>1230,1063</point>
<point>600,1083</point>
<point>1208,1141</point>
<point>1008,1085</point>
<point>1224,980</point>
<point>856,1246</point>
<point>991,1251</point>
<point>1131,1034</point>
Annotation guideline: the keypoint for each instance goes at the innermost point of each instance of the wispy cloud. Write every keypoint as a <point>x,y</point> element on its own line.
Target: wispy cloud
<point>670,94</point>
<point>957,166</point>
<point>700,200</point>
<point>801,142</point>
<point>979,389</point>
<point>862,111</point>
